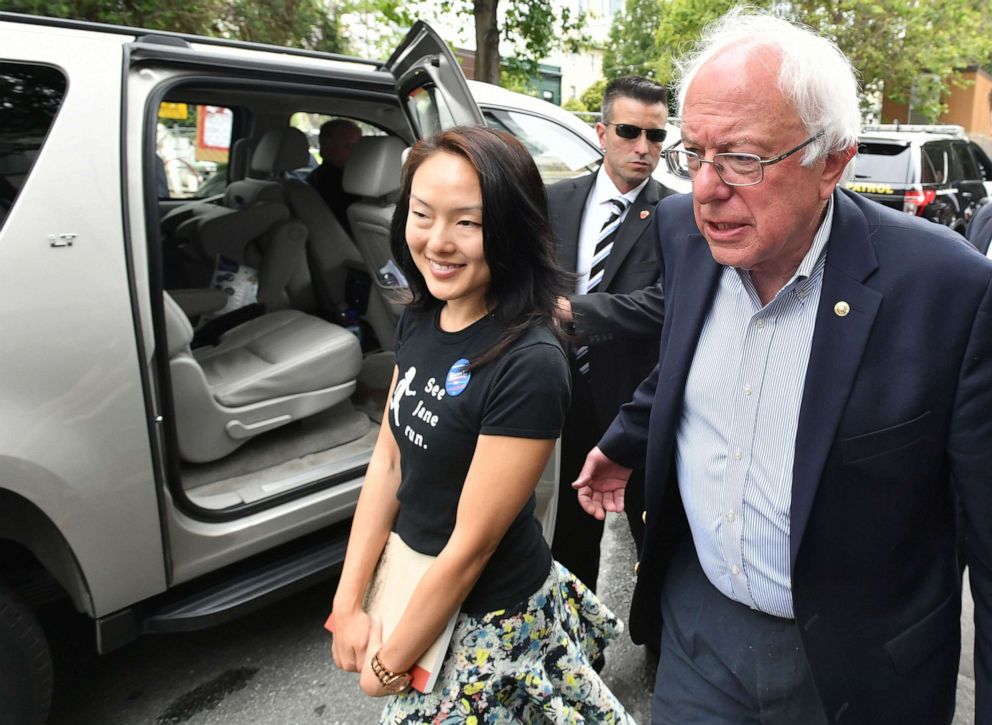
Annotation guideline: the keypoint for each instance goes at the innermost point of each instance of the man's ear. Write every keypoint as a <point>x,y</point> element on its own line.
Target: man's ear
<point>833,169</point>
<point>601,133</point>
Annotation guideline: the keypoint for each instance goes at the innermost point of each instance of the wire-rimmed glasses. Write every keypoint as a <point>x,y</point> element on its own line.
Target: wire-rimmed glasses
<point>734,169</point>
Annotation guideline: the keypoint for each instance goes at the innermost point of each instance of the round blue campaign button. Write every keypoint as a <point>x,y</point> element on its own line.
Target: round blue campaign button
<point>458,377</point>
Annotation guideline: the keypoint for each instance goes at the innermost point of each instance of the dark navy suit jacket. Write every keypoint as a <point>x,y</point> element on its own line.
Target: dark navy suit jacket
<point>897,407</point>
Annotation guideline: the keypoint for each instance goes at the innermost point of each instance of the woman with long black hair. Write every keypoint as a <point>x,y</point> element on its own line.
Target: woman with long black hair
<point>479,394</point>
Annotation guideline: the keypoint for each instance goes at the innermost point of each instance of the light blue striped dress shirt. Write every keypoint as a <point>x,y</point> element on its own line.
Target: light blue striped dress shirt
<point>736,439</point>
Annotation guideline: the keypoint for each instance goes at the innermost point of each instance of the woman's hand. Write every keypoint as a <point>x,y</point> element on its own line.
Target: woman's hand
<point>351,640</point>
<point>367,680</point>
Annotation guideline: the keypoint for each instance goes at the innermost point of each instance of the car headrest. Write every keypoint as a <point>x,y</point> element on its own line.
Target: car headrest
<point>279,150</point>
<point>239,159</point>
<point>374,168</point>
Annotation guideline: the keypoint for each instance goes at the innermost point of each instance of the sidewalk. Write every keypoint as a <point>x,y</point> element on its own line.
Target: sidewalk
<point>630,672</point>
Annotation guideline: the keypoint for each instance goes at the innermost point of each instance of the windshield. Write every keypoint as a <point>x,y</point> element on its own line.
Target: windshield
<point>889,162</point>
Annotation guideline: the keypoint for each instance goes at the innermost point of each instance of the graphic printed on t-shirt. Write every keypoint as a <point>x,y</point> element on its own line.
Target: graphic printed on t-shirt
<point>435,394</point>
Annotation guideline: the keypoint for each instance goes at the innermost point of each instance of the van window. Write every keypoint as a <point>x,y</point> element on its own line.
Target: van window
<point>969,168</point>
<point>937,154</point>
<point>193,144</point>
<point>30,97</point>
<point>559,152</point>
<point>888,162</point>
<point>310,123</point>
<point>429,110</point>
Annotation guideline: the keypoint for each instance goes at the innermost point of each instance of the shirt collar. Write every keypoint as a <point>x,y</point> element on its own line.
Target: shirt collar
<point>805,268</point>
<point>605,189</point>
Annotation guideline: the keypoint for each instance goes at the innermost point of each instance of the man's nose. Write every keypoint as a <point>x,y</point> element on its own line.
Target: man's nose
<point>708,186</point>
<point>641,144</point>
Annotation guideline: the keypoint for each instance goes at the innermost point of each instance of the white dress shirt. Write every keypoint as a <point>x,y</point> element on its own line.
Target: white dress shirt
<point>594,216</point>
<point>736,439</point>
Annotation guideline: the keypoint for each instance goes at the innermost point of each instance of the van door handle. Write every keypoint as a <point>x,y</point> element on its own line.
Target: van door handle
<point>62,240</point>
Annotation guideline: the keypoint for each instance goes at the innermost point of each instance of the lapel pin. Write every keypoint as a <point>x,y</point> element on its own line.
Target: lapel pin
<point>645,213</point>
<point>841,309</point>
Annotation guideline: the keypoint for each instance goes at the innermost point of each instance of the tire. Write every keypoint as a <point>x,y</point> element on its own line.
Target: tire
<point>25,664</point>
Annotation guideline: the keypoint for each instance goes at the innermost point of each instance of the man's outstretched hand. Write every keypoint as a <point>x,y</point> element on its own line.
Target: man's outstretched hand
<point>601,484</point>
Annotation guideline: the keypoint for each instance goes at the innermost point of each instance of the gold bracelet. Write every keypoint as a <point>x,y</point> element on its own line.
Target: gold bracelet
<point>392,682</point>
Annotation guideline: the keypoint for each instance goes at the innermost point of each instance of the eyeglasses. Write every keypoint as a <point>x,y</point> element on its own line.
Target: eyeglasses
<point>733,169</point>
<point>629,132</point>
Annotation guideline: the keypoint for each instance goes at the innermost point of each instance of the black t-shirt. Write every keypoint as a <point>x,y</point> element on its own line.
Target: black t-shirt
<point>437,413</point>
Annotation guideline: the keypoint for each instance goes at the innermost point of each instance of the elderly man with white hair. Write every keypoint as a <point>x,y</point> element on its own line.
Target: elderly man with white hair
<point>823,397</point>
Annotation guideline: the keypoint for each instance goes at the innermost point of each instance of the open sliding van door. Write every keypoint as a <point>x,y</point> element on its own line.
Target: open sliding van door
<point>431,84</point>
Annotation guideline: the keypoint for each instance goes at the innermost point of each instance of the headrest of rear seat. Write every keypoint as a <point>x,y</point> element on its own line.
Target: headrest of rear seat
<point>375,167</point>
<point>279,150</point>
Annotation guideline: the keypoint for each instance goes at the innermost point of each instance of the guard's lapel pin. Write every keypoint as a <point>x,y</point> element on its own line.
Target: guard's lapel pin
<point>841,309</point>
<point>645,213</point>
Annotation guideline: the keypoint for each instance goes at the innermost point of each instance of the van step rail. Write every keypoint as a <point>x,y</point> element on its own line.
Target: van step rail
<point>229,598</point>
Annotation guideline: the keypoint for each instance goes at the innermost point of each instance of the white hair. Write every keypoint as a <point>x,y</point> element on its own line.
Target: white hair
<point>814,75</point>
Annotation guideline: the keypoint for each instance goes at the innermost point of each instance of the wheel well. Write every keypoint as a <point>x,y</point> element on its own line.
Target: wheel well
<point>34,554</point>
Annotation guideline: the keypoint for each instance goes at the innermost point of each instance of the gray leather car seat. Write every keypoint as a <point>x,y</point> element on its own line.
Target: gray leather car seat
<point>265,373</point>
<point>330,250</point>
<point>261,236</point>
<point>374,173</point>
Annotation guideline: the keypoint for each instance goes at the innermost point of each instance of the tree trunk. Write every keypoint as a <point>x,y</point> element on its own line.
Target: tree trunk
<point>486,42</point>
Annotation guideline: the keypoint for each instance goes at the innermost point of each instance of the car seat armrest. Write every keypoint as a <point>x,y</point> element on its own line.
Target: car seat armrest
<point>196,302</point>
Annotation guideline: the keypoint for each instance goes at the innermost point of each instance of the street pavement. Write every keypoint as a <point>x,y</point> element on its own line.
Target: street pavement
<point>273,667</point>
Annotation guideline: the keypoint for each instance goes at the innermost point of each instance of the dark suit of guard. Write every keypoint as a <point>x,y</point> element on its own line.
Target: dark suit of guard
<point>896,416</point>
<point>621,324</point>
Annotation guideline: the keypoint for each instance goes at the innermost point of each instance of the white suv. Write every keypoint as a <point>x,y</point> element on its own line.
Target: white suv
<point>191,386</point>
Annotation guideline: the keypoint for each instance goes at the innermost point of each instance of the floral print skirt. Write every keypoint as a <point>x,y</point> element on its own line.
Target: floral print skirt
<point>529,664</point>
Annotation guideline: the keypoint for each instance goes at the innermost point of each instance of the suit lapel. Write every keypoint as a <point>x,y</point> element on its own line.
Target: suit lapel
<point>686,312</point>
<point>835,355</point>
<point>640,215</point>
<point>568,222</point>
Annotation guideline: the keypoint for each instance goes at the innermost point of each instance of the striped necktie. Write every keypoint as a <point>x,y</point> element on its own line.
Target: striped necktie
<point>604,244</point>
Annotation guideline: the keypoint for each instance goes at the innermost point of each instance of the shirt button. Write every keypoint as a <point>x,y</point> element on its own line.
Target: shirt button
<point>747,390</point>
<point>735,570</point>
<point>760,324</point>
<point>738,453</point>
<point>730,517</point>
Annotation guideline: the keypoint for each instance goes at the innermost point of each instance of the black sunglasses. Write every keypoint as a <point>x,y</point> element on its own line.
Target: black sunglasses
<point>627,131</point>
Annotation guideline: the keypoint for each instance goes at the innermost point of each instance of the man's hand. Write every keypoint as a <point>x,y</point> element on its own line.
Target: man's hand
<point>601,485</point>
<point>564,310</point>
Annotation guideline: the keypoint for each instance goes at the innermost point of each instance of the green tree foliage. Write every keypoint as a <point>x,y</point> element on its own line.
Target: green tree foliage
<point>682,22</point>
<point>530,29</point>
<point>906,49</point>
<point>312,24</point>
<point>592,97</point>
<point>574,105</point>
<point>632,47</point>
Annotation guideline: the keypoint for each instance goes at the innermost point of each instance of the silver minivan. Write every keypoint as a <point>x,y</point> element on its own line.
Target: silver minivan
<point>195,350</point>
